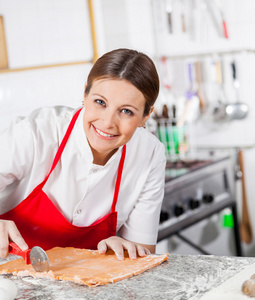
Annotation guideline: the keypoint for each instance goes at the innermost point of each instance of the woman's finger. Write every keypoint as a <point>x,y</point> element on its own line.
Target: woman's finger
<point>8,230</point>
<point>114,243</point>
<point>4,241</point>
<point>142,251</point>
<point>16,237</point>
<point>131,249</point>
<point>102,247</point>
<point>147,251</point>
<point>117,247</point>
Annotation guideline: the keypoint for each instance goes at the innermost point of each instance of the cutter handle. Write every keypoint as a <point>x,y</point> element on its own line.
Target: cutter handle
<point>15,249</point>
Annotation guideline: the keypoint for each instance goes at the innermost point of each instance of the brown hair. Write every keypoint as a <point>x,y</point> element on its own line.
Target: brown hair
<point>130,65</point>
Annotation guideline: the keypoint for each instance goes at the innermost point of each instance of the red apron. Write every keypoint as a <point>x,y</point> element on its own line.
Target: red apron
<point>41,224</point>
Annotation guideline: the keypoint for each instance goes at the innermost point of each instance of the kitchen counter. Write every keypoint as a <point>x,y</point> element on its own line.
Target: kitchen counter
<point>181,277</point>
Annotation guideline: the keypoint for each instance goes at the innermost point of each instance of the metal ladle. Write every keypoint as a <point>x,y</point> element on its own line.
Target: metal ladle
<point>237,110</point>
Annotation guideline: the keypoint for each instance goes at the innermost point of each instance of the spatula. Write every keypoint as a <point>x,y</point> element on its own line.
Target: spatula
<point>35,256</point>
<point>245,225</point>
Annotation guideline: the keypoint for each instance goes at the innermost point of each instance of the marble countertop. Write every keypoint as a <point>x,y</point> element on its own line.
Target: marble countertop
<point>181,277</point>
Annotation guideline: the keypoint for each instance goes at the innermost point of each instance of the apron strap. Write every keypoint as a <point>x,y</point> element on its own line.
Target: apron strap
<point>118,180</point>
<point>64,141</point>
<point>60,150</point>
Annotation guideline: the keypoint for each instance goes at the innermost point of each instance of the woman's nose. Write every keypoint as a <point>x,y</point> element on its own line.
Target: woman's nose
<point>109,119</point>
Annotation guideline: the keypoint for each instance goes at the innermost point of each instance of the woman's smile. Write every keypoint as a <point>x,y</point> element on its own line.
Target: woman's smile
<point>114,109</point>
<point>104,134</point>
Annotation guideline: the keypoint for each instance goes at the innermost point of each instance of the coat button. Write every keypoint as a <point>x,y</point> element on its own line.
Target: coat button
<point>79,211</point>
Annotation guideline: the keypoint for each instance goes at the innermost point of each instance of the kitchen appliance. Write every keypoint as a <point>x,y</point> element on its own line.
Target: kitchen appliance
<point>194,191</point>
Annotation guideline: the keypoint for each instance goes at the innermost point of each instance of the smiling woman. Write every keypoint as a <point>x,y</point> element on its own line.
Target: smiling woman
<point>104,172</point>
<point>113,111</point>
<point>119,96</point>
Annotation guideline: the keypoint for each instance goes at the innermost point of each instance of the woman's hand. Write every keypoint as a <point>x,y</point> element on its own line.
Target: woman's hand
<point>9,231</point>
<point>118,245</point>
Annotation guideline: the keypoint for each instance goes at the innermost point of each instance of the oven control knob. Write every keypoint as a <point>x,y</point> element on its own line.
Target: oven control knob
<point>194,203</point>
<point>164,215</point>
<point>179,209</point>
<point>208,198</point>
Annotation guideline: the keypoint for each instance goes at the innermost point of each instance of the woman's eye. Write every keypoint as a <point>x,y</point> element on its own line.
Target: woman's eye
<point>99,101</point>
<point>127,111</point>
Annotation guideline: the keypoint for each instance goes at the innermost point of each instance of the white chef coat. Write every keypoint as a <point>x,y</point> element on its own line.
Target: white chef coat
<point>82,191</point>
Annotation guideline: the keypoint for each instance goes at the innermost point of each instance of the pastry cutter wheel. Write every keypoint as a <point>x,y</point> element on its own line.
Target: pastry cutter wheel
<point>35,256</point>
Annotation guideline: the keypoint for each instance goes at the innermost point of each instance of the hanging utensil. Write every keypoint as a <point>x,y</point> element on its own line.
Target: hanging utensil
<point>215,114</point>
<point>192,90</point>
<point>169,12</point>
<point>192,105</point>
<point>217,16</point>
<point>210,6</point>
<point>36,256</point>
<point>200,93</point>
<point>219,111</point>
<point>223,19</point>
<point>183,21</point>
<point>165,75</point>
<point>237,110</point>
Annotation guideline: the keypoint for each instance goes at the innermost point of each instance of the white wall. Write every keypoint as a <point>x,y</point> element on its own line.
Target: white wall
<point>21,92</point>
<point>40,33</point>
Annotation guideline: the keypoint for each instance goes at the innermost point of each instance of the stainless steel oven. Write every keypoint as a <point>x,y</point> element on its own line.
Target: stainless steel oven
<point>194,191</point>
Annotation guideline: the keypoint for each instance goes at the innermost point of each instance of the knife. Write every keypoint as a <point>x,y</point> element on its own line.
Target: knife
<point>36,256</point>
<point>169,11</point>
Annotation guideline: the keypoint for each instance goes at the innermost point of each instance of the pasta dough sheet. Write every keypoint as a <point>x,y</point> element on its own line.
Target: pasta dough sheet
<point>86,267</point>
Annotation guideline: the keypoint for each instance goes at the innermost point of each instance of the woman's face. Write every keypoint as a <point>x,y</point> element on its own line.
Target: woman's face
<point>113,110</point>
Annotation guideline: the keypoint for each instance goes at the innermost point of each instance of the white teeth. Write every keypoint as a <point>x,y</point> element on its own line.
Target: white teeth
<point>102,133</point>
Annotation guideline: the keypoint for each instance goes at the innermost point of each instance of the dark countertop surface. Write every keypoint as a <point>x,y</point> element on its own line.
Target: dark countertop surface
<point>181,277</point>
